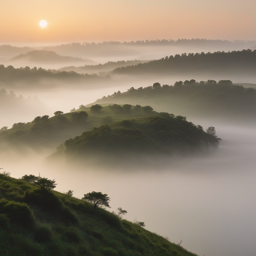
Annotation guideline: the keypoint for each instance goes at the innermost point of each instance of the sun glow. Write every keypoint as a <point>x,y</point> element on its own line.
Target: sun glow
<point>43,23</point>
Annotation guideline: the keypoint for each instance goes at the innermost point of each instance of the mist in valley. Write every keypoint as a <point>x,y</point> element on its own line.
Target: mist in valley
<point>205,202</point>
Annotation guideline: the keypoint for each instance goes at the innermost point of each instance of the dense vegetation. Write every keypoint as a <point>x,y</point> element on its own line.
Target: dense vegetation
<point>48,132</point>
<point>45,57</point>
<point>206,64</point>
<point>207,99</point>
<point>36,221</point>
<point>157,135</point>
<point>107,67</point>
<point>27,77</point>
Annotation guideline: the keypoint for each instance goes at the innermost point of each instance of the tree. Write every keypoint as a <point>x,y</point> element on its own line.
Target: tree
<point>70,193</point>
<point>96,108</point>
<point>147,109</point>
<point>211,130</point>
<point>45,184</point>
<point>3,129</point>
<point>58,113</point>
<point>121,212</point>
<point>97,199</point>
<point>30,178</point>
<point>156,85</point>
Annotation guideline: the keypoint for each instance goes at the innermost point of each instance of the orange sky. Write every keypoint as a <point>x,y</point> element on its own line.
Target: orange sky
<point>125,20</point>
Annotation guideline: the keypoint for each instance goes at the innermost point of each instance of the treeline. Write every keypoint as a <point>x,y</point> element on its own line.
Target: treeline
<point>107,67</point>
<point>164,135</point>
<point>34,76</point>
<point>192,98</point>
<point>235,62</point>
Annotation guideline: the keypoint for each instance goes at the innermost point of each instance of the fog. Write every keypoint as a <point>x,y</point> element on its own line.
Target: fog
<point>207,202</point>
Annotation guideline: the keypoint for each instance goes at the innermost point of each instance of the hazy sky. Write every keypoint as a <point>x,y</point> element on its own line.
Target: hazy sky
<point>97,20</point>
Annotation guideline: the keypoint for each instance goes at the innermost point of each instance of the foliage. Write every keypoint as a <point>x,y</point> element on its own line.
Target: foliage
<point>18,213</point>
<point>96,108</point>
<point>43,234</point>
<point>56,113</point>
<point>30,178</point>
<point>97,199</point>
<point>121,212</point>
<point>97,233</point>
<point>45,183</point>
<point>70,193</point>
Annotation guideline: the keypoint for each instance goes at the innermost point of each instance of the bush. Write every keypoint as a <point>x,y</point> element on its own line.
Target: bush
<point>43,234</point>
<point>19,213</point>
<point>98,235</point>
<point>72,236</point>
<point>109,252</point>
<point>4,221</point>
<point>43,198</point>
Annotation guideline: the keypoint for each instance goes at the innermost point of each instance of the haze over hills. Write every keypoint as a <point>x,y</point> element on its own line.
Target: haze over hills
<point>106,67</point>
<point>16,108</point>
<point>47,133</point>
<point>209,100</point>
<point>41,79</point>
<point>145,50</point>
<point>237,65</point>
<point>49,58</point>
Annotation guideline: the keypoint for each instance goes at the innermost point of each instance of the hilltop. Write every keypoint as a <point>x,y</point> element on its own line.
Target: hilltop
<point>37,221</point>
<point>206,99</point>
<point>47,57</point>
<point>235,64</point>
<point>162,135</point>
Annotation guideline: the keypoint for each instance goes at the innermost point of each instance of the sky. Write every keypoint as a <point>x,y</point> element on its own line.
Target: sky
<point>126,20</point>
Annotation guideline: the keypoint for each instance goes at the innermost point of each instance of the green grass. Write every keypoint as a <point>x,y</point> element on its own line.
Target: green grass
<point>95,233</point>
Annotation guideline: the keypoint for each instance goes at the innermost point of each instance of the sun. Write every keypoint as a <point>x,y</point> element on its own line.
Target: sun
<point>43,23</point>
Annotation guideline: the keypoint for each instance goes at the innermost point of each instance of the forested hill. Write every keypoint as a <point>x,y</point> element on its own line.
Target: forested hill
<point>37,221</point>
<point>217,63</point>
<point>208,99</point>
<point>27,77</point>
<point>107,67</point>
<point>164,135</point>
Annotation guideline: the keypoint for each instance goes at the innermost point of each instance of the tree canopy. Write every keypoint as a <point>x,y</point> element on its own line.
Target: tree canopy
<point>97,199</point>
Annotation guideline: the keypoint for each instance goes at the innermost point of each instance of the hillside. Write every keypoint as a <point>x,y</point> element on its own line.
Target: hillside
<point>107,67</point>
<point>162,135</point>
<point>238,64</point>
<point>38,78</point>
<point>46,132</point>
<point>220,100</point>
<point>13,105</point>
<point>48,57</point>
<point>37,221</point>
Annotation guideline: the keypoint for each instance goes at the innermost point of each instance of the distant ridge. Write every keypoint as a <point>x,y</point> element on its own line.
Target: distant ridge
<point>48,57</point>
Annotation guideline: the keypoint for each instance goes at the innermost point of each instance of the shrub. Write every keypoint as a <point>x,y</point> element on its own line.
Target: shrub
<point>98,235</point>
<point>109,252</point>
<point>72,236</point>
<point>19,213</point>
<point>43,198</point>
<point>43,234</point>
<point>4,221</point>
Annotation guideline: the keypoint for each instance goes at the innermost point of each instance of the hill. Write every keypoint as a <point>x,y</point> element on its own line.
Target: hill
<point>12,106</point>
<point>162,135</point>
<point>235,64</point>
<point>107,67</point>
<point>47,57</point>
<point>38,78</point>
<point>37,221</point>
<point>220,100</point>
<point>46,132</point>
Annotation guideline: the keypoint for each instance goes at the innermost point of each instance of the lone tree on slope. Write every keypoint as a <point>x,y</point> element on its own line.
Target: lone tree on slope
<point>97,199</point>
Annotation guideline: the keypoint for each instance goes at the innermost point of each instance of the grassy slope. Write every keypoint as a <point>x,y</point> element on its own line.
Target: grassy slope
<point>72,228</point>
